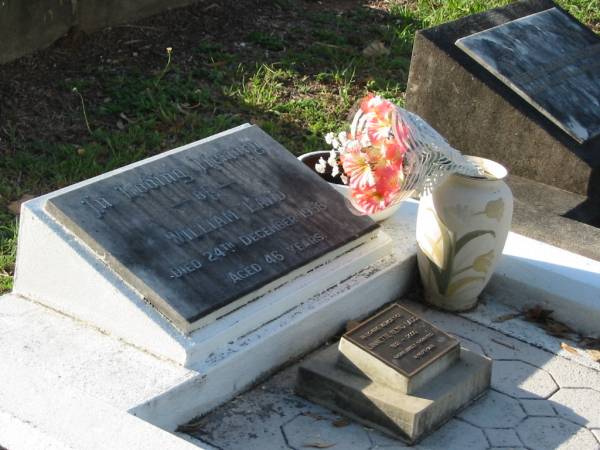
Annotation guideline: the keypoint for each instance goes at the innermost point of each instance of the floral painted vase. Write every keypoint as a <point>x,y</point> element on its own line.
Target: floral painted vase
<point>461,230</point>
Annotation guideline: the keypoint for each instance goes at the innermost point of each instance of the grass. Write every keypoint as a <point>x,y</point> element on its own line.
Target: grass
<point>297,84</point>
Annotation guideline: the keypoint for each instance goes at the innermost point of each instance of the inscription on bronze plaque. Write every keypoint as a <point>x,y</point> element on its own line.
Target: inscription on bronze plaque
<point>401,340</point>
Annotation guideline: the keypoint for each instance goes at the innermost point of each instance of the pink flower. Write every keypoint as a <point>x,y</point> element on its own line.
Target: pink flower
<point>358,169</point>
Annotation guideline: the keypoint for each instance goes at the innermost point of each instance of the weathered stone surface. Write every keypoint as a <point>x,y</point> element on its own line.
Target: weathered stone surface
<point>200,230</point>
<point>306,431</point>
<point>480,115</point>
<point>456,435</point>
<point>538,407</point>
<point>408,417</point>
<point>551,60</point>
<point>503,438</point>
<point>543,433</point>
<point>494,410</point>
<point>522,380</point>
<point>581,406</point>
<point>560,218</point>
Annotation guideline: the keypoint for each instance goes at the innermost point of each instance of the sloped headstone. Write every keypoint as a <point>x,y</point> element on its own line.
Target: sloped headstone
<point>201,231</point>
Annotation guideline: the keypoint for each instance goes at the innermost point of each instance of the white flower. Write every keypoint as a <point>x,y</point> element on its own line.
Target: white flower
<point>329,138</point>
<point>343,138</point>
<point>344,179</point>
<point>335,171</point>
<point>321,166</point>
<point>332,160</point>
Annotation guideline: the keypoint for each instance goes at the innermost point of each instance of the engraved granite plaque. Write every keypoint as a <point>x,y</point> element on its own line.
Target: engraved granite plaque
<point>206,228</point>
<point>552,61</point>
<point>402,340</point>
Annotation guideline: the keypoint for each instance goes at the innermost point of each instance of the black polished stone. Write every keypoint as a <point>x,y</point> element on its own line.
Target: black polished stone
<point>552,61</point>
<point>482,116</point>
<point>199,230</point>
<point>401,339</point>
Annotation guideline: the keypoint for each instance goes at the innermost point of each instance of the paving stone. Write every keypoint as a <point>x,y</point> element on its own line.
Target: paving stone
<point>543,433</point>
<point>505,437</point>
<point>579,405</point>
<point>380,440</point>
<point>456,434</point>
<point>538,407</point>
<point>307,431</point>
<point>522,380</point>
<point>571,374</point>
<point>495,410</point>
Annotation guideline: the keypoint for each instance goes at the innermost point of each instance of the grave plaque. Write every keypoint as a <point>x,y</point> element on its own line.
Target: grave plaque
<point>549,59</point>
<point>395,372</point>
<point>401,340</point>
<point>205,229</point>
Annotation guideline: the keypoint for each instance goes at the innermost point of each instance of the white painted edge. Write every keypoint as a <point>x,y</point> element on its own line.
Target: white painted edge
<point>531,273</point>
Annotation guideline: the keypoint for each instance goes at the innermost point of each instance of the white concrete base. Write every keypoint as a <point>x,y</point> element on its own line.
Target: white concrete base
<point>56,269</point>
<point>163,392</point>
<point>67,385</point>
<point>532,273</point>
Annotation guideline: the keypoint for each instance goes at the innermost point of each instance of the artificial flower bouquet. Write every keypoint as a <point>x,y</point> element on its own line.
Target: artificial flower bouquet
<point>388,154</point>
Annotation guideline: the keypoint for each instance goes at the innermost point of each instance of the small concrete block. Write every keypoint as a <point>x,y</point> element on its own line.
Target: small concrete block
<point>522,380</point>
<point>543,433</point>
<point>538,407</point>
<point>581,406</point>
<point>407,417</point>
<point>494,410</point>
<point>503,437</point>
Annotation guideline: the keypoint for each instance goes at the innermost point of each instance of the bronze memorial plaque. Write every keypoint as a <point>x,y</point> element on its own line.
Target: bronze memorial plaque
<point>401,340</point>
<point>204,229</point>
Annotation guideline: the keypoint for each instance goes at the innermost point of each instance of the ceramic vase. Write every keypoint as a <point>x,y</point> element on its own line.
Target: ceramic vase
<point>461,230</point>
<point>311,158</point>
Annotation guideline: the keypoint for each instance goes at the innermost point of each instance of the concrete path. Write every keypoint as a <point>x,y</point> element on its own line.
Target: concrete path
<point>538,400</point>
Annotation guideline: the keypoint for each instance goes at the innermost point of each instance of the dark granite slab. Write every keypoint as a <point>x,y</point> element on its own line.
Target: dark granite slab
<point>552,61</point>
<point>402,340</point>
<point>199,231</point>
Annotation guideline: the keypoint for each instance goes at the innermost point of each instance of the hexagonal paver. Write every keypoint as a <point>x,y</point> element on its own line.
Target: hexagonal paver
<point>543,433</point>
<point>306,431</point>
<point>538,407</point>
<point>495,410</point>
<point>522,380</point>
<point>579,405</point>
<point>505,437</point>
<point>455,435</point>
<point>381,441</point>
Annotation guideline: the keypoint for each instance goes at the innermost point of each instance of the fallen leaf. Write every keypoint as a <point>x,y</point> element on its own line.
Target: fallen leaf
<point>313,415</point>
<point>506,317</point>
<point>538,314</point>
<point>595,354</point>
<point>15,207</point>
<point>318,445</point>
<point>375,48</point>
<point>341,422</point>
<point>568,348</point>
